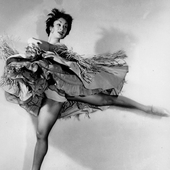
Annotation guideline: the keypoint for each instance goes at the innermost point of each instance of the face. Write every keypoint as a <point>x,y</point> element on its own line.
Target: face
<point>59,28</point>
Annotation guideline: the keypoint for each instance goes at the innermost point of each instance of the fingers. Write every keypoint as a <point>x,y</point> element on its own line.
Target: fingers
<point>33,42</point>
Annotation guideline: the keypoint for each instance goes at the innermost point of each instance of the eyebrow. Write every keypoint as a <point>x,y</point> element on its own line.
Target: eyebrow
<point>61,22</point>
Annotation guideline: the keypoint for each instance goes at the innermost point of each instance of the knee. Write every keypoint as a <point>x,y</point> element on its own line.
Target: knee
<point>41,135</point>
<point>107,100</point>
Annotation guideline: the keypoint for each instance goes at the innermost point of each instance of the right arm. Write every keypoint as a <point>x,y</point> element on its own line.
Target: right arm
<point>44,45</point>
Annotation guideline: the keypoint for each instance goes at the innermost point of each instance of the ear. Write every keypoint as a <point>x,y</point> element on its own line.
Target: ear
<point>51,29</point>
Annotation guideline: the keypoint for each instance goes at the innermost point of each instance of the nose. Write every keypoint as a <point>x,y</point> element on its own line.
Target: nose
<point>61,28</point>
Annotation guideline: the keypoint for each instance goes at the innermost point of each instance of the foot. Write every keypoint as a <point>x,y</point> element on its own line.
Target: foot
<point>158,111</point>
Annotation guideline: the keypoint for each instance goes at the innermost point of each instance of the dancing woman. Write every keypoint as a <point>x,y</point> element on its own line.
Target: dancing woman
<point>53,82</point>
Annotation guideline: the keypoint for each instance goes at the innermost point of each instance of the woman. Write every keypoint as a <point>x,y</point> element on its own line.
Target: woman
<point>52,82</point>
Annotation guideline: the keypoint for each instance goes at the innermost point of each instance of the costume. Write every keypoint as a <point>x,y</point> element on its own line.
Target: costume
<point>54,69</point>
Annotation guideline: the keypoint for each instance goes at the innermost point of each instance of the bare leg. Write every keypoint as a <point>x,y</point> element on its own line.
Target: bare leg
<point>106,100</point>
<point>46,119</point>
<point>121,101</point>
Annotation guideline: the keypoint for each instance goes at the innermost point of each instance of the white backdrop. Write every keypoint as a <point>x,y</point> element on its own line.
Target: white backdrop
<point>113,139</point>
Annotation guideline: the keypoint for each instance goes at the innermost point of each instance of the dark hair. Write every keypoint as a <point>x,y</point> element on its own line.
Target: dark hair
<point>55,15</point>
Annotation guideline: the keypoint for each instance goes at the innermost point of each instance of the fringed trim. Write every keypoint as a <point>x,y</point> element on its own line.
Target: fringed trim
<point>5,79</point>
<point>6,50</point>
<point>85,67</point>
<point>7,47</point>
<point>93,64</point>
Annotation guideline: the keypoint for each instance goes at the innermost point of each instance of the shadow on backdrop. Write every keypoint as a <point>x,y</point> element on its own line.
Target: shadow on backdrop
<point>101,142</point>
<point>113,40</point>
<point>85,141</point>
<point>59,2</point>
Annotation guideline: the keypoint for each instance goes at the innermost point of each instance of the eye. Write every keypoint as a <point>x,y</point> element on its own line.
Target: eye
<point>66,26</point>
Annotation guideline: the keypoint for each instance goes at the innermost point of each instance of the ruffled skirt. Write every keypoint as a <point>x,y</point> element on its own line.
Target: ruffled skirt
<point>53,77</point>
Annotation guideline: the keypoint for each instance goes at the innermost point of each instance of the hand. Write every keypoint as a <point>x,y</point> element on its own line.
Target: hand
<point>33,42</point>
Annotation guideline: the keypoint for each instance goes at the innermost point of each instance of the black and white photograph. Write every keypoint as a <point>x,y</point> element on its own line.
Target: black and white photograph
<point>85,84</point>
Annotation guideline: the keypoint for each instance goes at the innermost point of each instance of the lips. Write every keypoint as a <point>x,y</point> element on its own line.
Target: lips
<point>61,33</point>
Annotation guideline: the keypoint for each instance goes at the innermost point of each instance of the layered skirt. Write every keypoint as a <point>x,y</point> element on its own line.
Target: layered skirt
<point>30,78</point>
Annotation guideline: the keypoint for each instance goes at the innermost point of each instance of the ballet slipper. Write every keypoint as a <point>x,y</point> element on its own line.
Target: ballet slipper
<point>158,111</point>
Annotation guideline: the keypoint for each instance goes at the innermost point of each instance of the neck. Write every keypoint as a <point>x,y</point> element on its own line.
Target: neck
<point>53,40</point>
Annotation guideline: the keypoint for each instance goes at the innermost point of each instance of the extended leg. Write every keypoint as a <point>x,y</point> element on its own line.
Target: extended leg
<point>108,100</point>
<point>46,119</point>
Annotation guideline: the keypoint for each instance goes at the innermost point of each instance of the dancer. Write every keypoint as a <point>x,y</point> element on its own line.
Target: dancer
<point>53,82</point>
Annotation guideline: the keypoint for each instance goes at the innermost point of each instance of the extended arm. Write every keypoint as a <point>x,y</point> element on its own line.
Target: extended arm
<point>44,45</point>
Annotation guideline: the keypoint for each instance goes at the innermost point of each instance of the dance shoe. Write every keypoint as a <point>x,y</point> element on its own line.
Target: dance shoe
<point>158,111</point>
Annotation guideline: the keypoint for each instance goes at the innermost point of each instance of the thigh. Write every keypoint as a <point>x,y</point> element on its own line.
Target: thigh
<point>97,99</point>
<point>48,116</point>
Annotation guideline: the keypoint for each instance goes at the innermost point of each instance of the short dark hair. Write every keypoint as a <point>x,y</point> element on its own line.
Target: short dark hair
<point>55,15</point>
